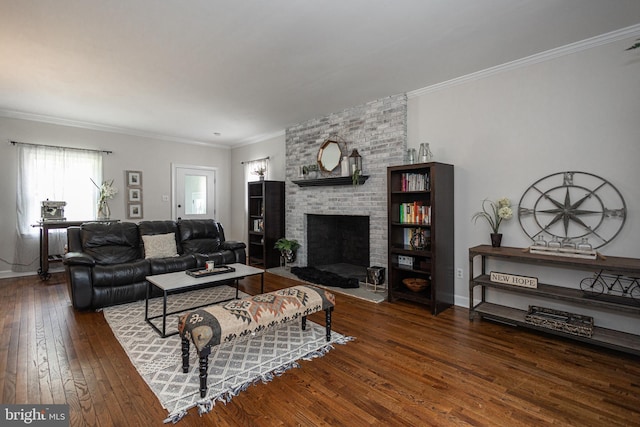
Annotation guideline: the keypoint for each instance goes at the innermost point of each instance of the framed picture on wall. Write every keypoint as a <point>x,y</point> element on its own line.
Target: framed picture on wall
<point>135,195</point>
<point>134,178</point>
<point>135,210</point>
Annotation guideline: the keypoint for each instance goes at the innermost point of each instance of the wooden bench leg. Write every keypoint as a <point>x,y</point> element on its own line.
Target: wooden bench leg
<point>185,355</point>
<point>327,322</point>
<point>204,370</point>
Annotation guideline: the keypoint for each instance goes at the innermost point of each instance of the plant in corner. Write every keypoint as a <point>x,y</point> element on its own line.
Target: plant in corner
<point>287,248</point>
<point>497,212</point>
<point>260,172</point>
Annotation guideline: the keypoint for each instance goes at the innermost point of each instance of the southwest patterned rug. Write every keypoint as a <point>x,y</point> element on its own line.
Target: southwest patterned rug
<point>233,367</point>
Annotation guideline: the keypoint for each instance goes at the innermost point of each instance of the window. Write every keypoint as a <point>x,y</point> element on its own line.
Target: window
<point>57,174</point>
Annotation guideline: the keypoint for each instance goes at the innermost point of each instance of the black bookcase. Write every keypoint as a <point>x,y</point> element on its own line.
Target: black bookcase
<point>420,201</point>
<point>266,222</point>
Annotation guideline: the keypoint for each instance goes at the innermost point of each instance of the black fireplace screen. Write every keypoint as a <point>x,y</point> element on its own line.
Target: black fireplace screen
<point>337,239</point>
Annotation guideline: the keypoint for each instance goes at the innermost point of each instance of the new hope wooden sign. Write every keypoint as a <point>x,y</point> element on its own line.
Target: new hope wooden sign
<point>512,279</point>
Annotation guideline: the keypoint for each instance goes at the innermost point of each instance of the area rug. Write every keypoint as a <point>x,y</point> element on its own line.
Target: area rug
<point>364,291</point>
<point>233,367</point>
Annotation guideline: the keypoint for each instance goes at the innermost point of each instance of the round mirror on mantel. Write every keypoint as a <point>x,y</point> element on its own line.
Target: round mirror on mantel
<point>329,155</point>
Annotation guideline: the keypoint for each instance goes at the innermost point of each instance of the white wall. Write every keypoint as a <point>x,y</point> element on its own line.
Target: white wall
<point>503,132</point>
<point>152,157</point>
<point>274,148</point>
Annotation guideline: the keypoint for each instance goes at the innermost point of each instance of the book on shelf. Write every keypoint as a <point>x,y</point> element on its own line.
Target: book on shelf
<point>415,182</point>
<point>415,213</point>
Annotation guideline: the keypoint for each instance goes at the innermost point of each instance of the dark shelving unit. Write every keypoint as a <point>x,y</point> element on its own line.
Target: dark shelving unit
<point>434,261</point>
<point>605,337</point>
<point>266,222</point>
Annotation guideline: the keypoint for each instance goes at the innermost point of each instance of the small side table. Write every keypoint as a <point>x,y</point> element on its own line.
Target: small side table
<point>45,228</point>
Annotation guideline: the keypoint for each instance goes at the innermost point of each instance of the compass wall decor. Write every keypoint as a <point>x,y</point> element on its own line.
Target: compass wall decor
<point>573,205</point>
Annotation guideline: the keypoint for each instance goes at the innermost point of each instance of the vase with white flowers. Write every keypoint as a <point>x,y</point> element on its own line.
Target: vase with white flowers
<point>106,191</point>
<point>495,214</point>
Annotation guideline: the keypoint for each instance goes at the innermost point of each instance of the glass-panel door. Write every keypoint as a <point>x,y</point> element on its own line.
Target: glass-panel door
<point>194,192</point>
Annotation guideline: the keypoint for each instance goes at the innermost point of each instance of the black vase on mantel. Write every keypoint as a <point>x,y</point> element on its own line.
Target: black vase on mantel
<point>496,239</point>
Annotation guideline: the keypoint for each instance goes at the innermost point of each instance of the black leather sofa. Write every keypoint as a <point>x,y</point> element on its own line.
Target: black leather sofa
<point>106,263</point>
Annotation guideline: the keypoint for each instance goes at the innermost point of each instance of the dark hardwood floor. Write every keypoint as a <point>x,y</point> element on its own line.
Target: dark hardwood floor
<point>405,367</point>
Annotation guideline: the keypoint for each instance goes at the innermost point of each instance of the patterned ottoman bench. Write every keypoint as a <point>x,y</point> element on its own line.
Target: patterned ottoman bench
<point>222,323</point>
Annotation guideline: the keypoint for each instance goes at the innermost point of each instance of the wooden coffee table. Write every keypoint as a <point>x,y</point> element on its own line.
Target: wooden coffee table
<point>180,281</point>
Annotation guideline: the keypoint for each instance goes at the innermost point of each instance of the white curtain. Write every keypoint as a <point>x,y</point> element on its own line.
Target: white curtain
<point>251,168</point>
<point>57,174</point>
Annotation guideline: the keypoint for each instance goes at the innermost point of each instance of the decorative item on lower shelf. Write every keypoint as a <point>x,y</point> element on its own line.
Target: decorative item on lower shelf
<point>514,279</point>
<point>415,284</point>
<point>418,239</point>
<point>563,321</point>
<point>405,261</point>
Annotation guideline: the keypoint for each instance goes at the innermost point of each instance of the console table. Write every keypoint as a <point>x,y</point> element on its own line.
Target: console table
<point>610,338</point>
<point>45,228</point>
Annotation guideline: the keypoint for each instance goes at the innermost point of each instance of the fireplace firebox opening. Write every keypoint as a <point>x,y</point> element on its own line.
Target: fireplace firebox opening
<point>339,243</point>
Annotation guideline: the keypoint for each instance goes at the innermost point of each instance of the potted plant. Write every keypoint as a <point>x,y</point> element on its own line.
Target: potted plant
<point>287,248</point>
<point>311,171</point>
<point>260,172</point>
<point>497,212</point>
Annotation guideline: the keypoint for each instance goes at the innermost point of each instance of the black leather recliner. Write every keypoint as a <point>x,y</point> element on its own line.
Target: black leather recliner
<point>106,262</point>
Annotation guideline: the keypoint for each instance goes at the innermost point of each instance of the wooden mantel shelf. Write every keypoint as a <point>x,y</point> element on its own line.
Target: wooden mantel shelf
<point>321,182</point>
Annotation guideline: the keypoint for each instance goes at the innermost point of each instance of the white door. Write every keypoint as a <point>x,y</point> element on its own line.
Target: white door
<point>193,192</point>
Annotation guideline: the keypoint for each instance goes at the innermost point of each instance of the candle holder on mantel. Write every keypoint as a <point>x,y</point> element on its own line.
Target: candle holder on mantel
<point>355,162</point>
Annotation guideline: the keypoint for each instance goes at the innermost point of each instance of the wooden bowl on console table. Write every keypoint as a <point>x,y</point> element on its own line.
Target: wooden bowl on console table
<point>415,284</point>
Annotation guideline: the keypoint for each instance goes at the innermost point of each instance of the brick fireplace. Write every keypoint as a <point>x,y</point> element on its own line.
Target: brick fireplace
<point>378,130</point>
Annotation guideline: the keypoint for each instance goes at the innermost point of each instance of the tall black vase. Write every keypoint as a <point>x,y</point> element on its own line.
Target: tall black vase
<point>496,239</point>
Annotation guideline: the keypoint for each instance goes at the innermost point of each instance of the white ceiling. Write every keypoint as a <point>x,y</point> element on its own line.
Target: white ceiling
<point>185,69</point>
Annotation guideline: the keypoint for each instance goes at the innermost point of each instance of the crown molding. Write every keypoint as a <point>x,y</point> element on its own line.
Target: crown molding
<point>600,40</point>
<point>259,138</point>
<point>103,128</point>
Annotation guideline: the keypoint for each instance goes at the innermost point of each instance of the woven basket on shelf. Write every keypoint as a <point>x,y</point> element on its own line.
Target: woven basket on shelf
<point>415,284</point>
